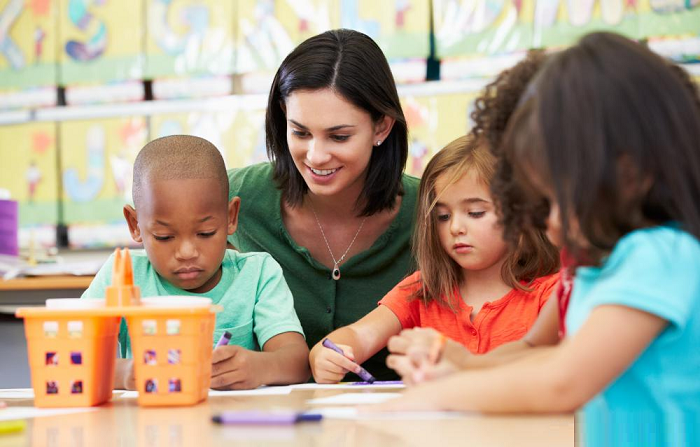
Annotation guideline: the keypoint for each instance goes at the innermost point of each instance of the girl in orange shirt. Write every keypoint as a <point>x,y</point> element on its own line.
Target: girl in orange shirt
<point>471,286</point>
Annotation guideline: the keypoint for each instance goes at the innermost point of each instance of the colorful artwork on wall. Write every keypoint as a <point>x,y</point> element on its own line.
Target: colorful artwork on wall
<point>100,41</point>
<point>28,172</point>
<point>28,33</point>
<point>189,37</point>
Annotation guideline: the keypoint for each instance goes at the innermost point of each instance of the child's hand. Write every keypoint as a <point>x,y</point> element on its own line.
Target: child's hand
<point>124,377</point>
<point>414,372</point>
<point>421,344</point>
<point>327,366</point>
<point>235,368</point>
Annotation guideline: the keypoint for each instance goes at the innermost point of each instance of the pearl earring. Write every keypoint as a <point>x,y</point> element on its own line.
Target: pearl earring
<point>379,142</point>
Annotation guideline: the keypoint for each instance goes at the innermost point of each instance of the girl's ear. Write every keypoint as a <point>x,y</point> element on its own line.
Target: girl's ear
<point>133,222</point>
<point>382,129</point>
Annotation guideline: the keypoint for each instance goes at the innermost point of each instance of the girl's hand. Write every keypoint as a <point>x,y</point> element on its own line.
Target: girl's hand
<point>327,366</point>
<point>422,344</point>
<point>235,368</point>
<point>413,372</point>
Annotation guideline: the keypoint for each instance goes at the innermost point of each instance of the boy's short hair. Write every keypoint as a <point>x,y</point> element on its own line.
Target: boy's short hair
<point>178,157</point>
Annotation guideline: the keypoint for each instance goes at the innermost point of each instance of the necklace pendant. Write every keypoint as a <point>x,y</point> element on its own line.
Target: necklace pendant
<point>336,272</point>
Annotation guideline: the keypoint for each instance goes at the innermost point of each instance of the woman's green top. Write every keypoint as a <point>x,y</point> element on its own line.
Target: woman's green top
<point>322,303</point>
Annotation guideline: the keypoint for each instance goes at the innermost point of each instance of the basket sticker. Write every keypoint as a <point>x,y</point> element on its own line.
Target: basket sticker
<point>76,358</point>
<point>75,329</point>
<point>172,327</point>
<point>51,329</point>
<point>51,387</point>
<point>52,359</point>
<point>149,357</point>
<point>173,356</point>
<point>76,387</point>
<point>149,327</point>
<point>151,385</point>
<point>174,386</point>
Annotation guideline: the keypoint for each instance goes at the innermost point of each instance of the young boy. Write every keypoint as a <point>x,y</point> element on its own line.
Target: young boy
<point>182,216</point>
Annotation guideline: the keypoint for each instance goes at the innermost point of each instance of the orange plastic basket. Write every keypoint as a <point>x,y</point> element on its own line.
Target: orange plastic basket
<point>72,346</point>
<point>172,354</point>
<point>71,356</point>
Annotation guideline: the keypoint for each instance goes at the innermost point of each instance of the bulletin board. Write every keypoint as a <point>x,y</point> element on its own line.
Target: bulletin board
<point>28,53</point>
<point>190,37</point>
<point>100,41</point>
<point>97,157</point>
<point>433,122</point>
<point>28,171</point>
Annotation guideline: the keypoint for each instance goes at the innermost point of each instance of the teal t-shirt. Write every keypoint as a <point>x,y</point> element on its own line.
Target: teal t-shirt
<point>655,270</point>
<point>257,302</point>
<point>323,304</point>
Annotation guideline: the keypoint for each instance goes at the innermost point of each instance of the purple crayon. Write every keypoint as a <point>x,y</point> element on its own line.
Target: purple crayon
<point>264,418</point>
<point>364,375</point>
<point>223,341</point>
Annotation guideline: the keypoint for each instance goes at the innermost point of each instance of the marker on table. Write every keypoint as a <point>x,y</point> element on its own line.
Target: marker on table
<point>264,418</point>
<point>364,375</point>
<point>223,341</point>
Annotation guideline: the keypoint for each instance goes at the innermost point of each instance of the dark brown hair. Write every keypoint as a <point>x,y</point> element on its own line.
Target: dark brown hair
<point>351,64</point>
<point>613,131</point>
<point>533,256</point>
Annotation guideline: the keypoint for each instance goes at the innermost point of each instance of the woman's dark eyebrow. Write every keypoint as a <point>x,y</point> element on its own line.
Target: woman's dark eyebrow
<point>330,129</point>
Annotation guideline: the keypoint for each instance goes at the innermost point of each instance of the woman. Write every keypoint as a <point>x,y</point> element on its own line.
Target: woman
<point>333,207</point>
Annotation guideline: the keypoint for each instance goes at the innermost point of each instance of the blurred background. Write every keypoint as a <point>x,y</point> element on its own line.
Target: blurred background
<point>85,83</point>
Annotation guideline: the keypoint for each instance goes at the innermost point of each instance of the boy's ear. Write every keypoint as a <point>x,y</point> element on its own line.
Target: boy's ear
<point>234,207</point>
<point>133,222</point>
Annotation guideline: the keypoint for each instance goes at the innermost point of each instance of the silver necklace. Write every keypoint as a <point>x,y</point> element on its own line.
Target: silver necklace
<point>336,269</point>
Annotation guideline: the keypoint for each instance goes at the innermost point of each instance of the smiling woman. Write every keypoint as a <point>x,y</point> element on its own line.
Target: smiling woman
<point>333,207</point>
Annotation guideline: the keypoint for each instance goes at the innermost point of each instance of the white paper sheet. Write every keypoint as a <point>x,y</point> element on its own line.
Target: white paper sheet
<point>262,391</point>
<point>28,393</point>
<point>352,413</point>
<point>17,393</point>
<point>354,399</point>
<point>13,413</point>
<point>348,386</point>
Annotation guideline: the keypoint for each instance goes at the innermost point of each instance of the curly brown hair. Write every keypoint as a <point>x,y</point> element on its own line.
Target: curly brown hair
<point>492,111</point>
<point>498,100</point>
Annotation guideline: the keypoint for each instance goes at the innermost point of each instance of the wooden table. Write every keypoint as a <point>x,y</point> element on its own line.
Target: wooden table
<point>123,423</point>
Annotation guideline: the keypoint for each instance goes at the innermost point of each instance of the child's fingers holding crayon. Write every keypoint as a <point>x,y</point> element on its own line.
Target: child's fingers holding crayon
<point>329,366</point>
<point>234,367</point>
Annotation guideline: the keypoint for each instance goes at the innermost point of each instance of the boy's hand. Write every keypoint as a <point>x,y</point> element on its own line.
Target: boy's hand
<point>327,366</point>
<point>235,368</point>
<point>124,377</point>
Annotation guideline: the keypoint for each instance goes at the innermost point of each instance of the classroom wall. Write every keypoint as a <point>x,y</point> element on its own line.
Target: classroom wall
<point>75,76</point>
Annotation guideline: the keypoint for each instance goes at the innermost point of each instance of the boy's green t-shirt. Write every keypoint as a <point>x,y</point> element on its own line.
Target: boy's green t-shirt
<point>321,303</point>
<point>256,299</point>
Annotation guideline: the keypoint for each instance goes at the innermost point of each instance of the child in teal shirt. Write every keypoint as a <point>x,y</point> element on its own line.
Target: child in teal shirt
<point>182,216</point>
<point>607,135</point>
